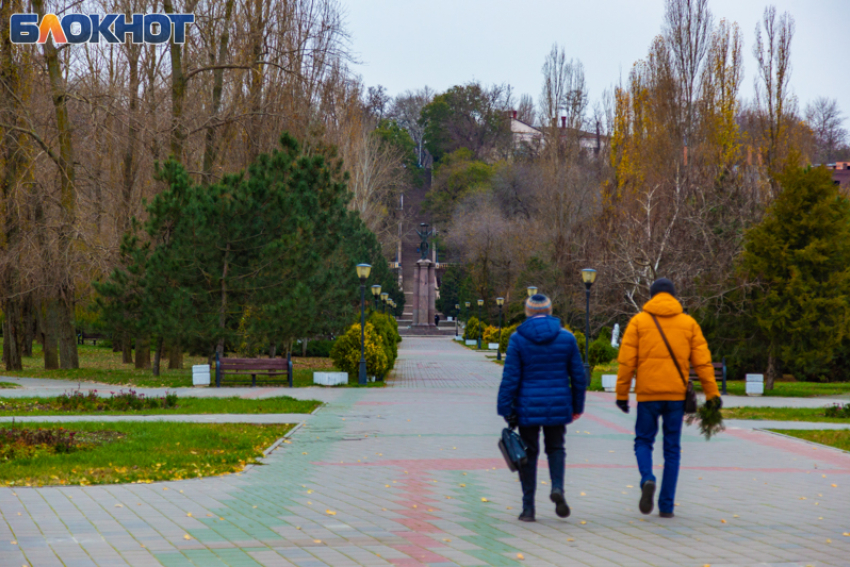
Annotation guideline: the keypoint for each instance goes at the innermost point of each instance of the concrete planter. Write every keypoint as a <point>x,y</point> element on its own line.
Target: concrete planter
<point>459,338</point>
<point>330,378</point>
<point>609,383</point>
<point>755,384</point>
<point>201,375</point>
<point>471,342</point>
<point>493,346</point>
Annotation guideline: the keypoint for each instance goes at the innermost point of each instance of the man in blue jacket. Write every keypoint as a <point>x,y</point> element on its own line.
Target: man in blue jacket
<point>543,385</point>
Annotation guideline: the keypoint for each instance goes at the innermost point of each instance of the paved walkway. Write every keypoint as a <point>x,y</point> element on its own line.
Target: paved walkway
<point>409,475</point>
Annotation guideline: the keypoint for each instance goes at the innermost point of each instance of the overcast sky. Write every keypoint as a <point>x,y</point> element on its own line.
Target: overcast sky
<point>440,43</point>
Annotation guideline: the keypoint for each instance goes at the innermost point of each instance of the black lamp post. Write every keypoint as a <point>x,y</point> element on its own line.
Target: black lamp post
<point>588,276</point>
<point>480,326</point>
<point>500,301</point>
<point>457,317</point>
<point>384,301</point>
<point>376,293</point>
<point>466,321</point>
<point>363,271</point>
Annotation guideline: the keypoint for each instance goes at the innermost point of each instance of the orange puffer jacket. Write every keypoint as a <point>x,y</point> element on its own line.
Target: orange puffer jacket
<point>644,355</point>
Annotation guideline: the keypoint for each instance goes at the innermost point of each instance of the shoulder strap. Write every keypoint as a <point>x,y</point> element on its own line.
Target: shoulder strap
<point>670,350</point>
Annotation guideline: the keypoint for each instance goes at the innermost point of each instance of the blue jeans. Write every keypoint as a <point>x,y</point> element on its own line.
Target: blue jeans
<point>553,441</point>
<point>646,429</point>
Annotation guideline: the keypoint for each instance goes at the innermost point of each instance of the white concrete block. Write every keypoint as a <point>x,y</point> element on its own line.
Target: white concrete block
<point>330,378</point>
<point>493,346</point>
<point>201,375</point>
<point>609,382</point>
<point>471,342</point>
<point>755,388</point>
<point>755,378</point>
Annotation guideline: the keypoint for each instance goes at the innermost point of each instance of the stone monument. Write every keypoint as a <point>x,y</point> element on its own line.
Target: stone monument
<point>424,282</point>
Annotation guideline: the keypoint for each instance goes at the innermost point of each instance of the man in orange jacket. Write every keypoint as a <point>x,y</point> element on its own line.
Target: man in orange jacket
<point>660,388</point>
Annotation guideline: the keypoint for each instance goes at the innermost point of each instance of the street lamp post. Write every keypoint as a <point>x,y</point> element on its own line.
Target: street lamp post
<point>384,300</point>
<point>532,290</point>
<point>363,271</point>
<point>500,301</point>
<point>376,293</point>
<point>466,321</point>
<point>480,326</point>
<point>588,276</point>
<point>457,317</point>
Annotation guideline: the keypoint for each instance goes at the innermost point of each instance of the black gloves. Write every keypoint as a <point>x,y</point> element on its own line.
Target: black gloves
<point>513,420</point>
<point>623,405</point>
<point>716,402</point>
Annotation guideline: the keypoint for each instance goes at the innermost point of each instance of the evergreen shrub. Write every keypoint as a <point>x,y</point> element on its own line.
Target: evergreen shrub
<point>346,352</point>
<point>470,332</point>
<point>506,337</point>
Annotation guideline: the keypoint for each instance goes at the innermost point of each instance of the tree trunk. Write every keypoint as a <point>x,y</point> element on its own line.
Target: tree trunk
<point>49,325</point>
<point>67,201</point>
<point>67,332</point>
<point>143,353</point>
<point>222,311</point>
<point>29,326</point>
<point>13,159</point>
<point>272,350</point>
<point>157,357</point>
<point>304,347</point>
<point>126,348</point>
<point>12,334</point>
<point>218,84</point>
<point>774,371</point>
<point>175,355</point>
<point>133,53</point>
<point>178,92</point>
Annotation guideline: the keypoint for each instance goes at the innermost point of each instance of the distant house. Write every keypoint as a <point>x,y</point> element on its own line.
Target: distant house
<point>525,134</point>
<point>840,174</point>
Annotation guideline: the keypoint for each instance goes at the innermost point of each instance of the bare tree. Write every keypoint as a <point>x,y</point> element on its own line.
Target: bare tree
<point>406,111</point>
<point>772,51</point>
<point>564,91</point>
<point>826,121</point>
<point>525,109</point>
<point>688,25</point>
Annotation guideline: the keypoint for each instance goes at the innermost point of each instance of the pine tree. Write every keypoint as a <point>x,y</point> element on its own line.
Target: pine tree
<point>799,257</point>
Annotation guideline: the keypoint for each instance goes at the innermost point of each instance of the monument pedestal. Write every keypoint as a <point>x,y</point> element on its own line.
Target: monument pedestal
<point>424,293</point>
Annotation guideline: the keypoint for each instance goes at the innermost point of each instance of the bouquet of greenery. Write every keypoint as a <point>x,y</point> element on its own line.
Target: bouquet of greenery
<point>709,417</point>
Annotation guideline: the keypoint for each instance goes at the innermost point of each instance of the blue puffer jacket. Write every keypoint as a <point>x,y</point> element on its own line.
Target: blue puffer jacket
<point>543,381</point>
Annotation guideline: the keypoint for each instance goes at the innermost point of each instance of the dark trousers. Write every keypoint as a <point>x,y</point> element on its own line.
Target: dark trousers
<point>553,442</point>
<point>646,429</point>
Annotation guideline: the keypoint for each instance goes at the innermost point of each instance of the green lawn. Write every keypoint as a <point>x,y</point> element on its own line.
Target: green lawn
<point>7,385</point>
<point>781,414</point>
<point>281,404</point>
<point>100,364</point>
<point>142,452</point>
<point>790,389</point>
<point>834,438</point>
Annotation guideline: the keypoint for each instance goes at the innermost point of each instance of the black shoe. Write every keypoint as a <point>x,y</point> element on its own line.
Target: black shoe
<point>561,507</point>
<point>647,496</point>
<point>666,514</point>
<point>526,516</point>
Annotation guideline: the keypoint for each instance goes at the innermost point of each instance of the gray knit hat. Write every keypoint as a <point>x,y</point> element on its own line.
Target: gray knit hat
<point>538,304</point>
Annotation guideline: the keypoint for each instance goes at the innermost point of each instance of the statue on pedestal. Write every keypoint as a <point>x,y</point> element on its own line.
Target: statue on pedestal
<point>424,235</point>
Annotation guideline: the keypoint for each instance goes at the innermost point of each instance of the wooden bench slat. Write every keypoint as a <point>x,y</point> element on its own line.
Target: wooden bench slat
<point>266,367</point>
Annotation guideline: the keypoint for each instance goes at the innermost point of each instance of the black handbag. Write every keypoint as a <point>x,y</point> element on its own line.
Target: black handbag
<point>513,449</point>
<point>690,394</point>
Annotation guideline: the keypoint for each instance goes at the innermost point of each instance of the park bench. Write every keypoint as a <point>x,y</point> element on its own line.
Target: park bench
<point>719,374</point>
<point>268,367</point>
<point>83,336</point>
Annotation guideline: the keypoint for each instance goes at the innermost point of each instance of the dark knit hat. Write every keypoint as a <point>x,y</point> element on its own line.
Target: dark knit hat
<point>538,304</point>
<point>662,285</point>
